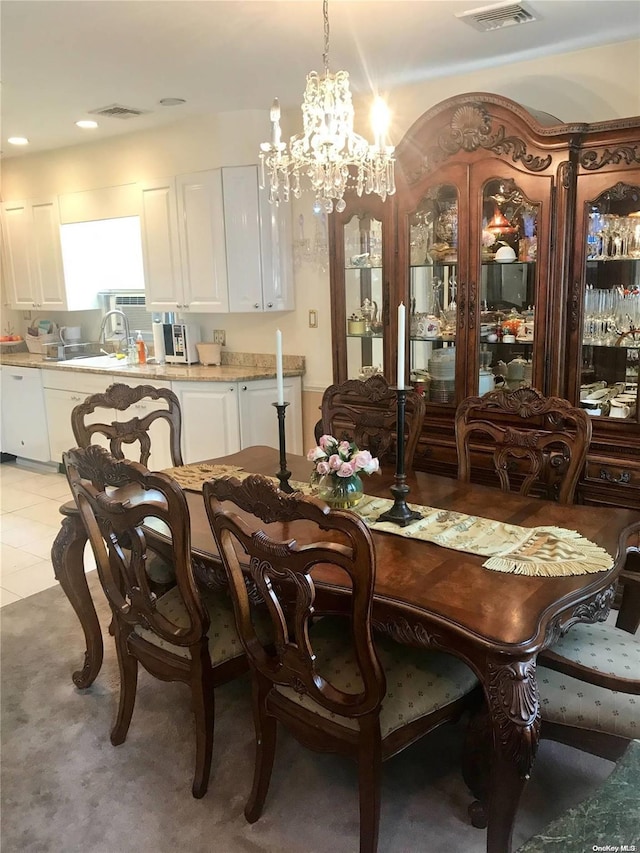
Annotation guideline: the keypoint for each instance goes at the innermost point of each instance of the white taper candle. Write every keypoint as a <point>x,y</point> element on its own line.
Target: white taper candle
<point>279,374</point>
<point>401,334</point>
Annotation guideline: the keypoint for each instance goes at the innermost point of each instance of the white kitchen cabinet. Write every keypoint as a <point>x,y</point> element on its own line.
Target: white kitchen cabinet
<point>259,418</point>
<point>24,417</point>
<point>184,245</point>
<point>210,419</point>
<point>259,249</point>
<point>33,258</point>
<point>63,391</point>
<point>220,418</point>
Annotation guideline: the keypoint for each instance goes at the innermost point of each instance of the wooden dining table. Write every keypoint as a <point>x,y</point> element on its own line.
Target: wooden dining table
<point>431,597</point>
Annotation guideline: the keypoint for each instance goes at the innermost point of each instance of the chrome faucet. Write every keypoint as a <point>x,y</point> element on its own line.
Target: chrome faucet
<point>125,322</point>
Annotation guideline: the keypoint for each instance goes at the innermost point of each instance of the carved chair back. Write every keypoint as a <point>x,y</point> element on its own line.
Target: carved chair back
<point>280,570</point>
<point>137,429</point>
<point>365,412</point>
<point>538,444</point>
<point>115,498</point>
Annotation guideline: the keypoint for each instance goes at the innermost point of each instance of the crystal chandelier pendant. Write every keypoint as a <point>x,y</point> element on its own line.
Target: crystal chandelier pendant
<point>328,153</point>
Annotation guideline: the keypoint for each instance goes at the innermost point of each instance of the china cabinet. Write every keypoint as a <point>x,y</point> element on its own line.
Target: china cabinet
<point>514,241</point>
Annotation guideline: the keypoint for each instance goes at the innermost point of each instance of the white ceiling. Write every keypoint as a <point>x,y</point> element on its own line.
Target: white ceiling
<point>62,58</point>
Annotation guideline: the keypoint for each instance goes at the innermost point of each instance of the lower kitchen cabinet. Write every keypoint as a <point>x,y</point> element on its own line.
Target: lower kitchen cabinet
<point>218,419</point>
<point>210,419</point>
<point>24,418</point>
<point>63,391</point>
<point>259,419</point>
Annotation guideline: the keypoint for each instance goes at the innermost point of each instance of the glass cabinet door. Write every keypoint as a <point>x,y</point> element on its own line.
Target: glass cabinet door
<point>508,260</point>
<point>611,305</point>
<point>433,268</point>
<point>363,285</point>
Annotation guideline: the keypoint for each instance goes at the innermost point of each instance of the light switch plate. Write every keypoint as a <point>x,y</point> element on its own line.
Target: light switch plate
<point>313,319</point>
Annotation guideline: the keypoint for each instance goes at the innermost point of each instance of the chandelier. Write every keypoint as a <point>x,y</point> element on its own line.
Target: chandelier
<point>327,152</point>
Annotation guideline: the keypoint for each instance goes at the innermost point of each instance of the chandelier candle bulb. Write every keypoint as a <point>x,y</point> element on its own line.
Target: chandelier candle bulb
<point>279,373</point>
<point>401,334</point>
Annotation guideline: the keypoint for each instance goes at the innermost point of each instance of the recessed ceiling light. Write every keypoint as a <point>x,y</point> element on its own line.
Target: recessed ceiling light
<point>18,140</point>
<point>172,102</point>
<point>86,123</point>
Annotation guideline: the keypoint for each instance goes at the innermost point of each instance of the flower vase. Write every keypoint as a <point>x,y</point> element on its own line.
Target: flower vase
<point>340,492</point>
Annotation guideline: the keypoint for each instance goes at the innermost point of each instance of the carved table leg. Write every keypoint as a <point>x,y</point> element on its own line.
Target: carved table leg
<point>67,556</point>
<point>512,695</point>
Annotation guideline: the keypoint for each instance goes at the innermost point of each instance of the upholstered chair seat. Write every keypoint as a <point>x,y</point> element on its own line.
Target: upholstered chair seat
<point>418,682</point>
<point>224,643</point>
<point>581,705</point>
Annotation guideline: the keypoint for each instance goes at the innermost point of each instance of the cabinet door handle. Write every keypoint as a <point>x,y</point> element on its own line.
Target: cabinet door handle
<point>244,387</point>
<point>233,388</point>
<point>14,376</point>
<point>256,304</point>
<point>269,304</point>
<point>625,476</point>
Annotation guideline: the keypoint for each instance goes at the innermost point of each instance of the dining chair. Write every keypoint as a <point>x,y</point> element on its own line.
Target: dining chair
<point>324,680</point>
<point>589,683</point>
<point>532,443</point>
<point>137,429</point>
<point>365,412</point>
<point>182,635</point>
<point>123,435</point>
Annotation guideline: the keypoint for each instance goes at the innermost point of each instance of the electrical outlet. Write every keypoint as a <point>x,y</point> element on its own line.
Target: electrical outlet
<point>219,337</point>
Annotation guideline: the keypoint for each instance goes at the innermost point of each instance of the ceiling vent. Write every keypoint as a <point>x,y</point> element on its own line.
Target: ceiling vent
<point>118,111</point>
<point>498,15</point>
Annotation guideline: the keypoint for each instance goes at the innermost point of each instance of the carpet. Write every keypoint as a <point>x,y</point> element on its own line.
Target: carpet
<point>607,821</point>
<point>65,788</point>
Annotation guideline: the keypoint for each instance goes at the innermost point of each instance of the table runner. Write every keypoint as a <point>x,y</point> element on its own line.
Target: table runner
<point>534,551</point>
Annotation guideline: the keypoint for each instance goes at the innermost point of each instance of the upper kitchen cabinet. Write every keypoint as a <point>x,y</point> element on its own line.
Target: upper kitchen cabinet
<point>33,259</point>
<point>362,256</point>
<point>211,244</point>
<point>259,248</point>
<point>603,328</point>
<point>183,241</point>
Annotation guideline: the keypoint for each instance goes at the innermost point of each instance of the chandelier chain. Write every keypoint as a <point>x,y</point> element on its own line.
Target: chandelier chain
<point>325,55</point>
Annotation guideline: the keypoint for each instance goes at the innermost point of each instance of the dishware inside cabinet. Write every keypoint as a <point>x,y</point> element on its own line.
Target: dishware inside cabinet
<point>611,304</point>
<point>433,252</point>
<point>508,285</point>
<point>363,278</point>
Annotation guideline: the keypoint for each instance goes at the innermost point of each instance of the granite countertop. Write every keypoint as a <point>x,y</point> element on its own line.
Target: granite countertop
<point>236,367</point>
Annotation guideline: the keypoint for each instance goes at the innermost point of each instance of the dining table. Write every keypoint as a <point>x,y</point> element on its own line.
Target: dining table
<point>430,597</point>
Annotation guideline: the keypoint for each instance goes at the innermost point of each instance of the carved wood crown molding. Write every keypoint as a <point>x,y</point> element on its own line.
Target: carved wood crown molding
<point>471,128</point>
<point>596,159</point>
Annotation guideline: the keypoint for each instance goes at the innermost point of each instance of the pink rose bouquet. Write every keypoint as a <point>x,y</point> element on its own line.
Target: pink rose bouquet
<point>342,458</point>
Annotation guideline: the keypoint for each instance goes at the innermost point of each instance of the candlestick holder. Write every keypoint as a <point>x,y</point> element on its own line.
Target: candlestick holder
<point>283,474</point>
<point>400,513</point>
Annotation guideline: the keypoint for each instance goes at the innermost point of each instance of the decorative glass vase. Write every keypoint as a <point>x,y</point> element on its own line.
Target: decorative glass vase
<point>340,492</point>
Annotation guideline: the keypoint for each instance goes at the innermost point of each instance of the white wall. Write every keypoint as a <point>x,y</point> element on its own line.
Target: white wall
<point>588,85</point>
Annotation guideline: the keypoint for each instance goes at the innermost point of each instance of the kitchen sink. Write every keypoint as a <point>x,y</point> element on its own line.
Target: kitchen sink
<point>106,362</point>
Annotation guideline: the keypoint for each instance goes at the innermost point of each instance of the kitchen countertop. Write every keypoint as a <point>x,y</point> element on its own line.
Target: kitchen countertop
<point>238,367</point>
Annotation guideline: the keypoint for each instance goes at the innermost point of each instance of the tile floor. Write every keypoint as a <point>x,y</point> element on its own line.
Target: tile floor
<point>29,522</point>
